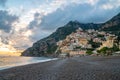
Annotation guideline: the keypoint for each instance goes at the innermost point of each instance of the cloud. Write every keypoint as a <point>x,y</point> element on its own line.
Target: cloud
<point>6,21</point>
<point>48,17</point>
<point>62,16</point>
<point>110,4</point>
<point>45,16</point>
<point>3,3</point>
<point>12,34</point>
<point>36,22</point>
<point>84,13</point>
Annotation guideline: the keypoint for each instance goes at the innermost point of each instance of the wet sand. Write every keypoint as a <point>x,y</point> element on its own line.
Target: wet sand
<point>76,68</point>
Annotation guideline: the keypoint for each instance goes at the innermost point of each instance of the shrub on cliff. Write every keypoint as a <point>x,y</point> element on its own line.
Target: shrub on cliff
<point>89,52</point>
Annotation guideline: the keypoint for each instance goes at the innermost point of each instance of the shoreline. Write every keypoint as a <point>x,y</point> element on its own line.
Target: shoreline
<point>28,60</point>
<point>75,68</point>
<point>20,65</point>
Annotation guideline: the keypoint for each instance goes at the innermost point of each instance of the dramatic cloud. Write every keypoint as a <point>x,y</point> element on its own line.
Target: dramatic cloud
<point>6,21</point>
<point>62,16</point>
<point>36,22</point>
<point>3,3</point>
<point>86,11</point>
<point>12,34</point>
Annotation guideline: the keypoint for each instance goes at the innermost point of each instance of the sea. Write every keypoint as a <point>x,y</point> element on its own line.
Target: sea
<point>13,61</point>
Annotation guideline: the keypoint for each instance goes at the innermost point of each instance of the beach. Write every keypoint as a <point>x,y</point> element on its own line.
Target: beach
<point>75,68</point>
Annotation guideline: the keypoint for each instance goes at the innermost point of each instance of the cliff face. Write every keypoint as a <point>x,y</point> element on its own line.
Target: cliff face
<point>47,46</point>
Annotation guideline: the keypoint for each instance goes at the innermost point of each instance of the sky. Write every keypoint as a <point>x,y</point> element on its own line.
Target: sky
<point>23,22</point>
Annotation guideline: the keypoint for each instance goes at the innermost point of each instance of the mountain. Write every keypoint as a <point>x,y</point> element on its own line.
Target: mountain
<point>113,25</point>
<point>47,46</point>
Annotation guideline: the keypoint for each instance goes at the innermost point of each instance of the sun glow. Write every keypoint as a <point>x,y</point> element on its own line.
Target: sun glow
<point>8,50</point>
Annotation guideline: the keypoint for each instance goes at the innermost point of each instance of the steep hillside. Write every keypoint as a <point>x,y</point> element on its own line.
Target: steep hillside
<point>47,46</point>
<point>113,25</point>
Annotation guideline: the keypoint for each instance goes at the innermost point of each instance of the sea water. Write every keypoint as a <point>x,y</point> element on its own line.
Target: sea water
<point>13,61</point>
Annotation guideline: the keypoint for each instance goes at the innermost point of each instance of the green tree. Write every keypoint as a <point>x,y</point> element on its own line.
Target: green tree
<point>89,52</point>
<point>115,48</point>
<point>108,51</point>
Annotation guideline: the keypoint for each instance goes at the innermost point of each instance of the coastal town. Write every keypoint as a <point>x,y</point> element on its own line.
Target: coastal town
<point>88,42</point>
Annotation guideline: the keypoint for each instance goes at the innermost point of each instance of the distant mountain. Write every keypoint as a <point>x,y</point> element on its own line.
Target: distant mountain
<point>47,46</point>
<point>113,25</point>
